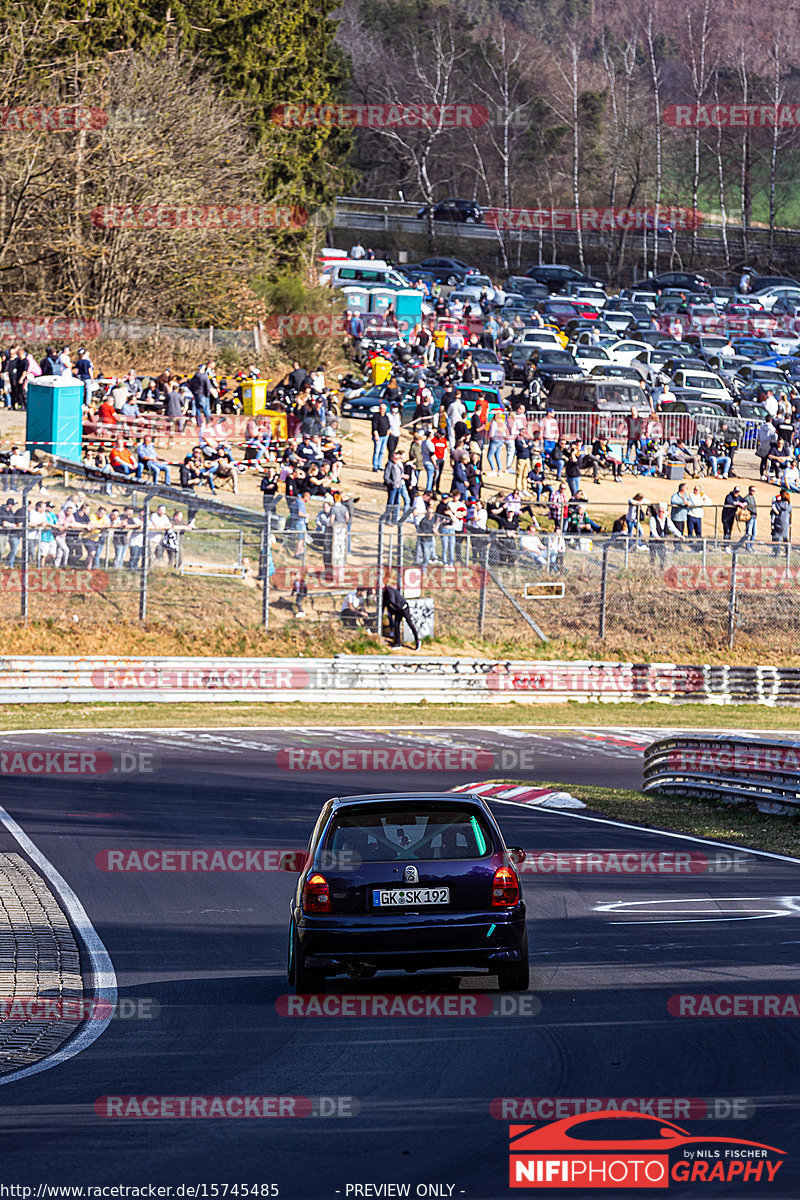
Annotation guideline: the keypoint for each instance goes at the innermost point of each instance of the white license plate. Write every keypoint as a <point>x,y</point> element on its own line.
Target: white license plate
<point>402,897</point>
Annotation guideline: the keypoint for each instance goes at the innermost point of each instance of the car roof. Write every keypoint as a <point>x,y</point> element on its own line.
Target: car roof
<point>398,798</point>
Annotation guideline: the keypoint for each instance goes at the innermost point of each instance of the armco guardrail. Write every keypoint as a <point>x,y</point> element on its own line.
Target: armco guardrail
<point>380,679</point>
<point>734,769</point>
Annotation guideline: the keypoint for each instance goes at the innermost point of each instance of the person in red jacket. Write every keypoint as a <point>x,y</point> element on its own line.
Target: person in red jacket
<point>439,449</point>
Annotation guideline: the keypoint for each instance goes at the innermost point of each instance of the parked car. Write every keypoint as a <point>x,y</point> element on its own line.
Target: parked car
<point>685,280</point>
<point>589,357</point>
<point>556,364</point>
<point>465,212</point>
<point>555,276</point>
<point>488,364</point>
<point>688,381</point>
<point>450,271</point>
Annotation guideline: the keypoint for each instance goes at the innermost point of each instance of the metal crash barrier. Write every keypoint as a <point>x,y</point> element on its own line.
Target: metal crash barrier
<point>735,769</point>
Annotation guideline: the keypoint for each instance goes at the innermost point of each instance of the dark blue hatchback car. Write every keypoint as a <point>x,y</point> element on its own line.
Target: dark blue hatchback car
<point>407,882</point>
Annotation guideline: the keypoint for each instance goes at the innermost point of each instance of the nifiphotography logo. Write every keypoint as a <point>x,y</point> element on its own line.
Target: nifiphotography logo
<point>616,1149</point>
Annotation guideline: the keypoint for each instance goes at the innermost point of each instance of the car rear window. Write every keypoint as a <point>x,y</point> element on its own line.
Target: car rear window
<point>388,834</point>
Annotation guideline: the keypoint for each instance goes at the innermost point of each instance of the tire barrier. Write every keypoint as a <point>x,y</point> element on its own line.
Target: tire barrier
<point>375,679</point>
<point>735,769</point>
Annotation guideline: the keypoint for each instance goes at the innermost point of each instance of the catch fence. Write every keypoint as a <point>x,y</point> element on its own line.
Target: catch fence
<point>215,569</point>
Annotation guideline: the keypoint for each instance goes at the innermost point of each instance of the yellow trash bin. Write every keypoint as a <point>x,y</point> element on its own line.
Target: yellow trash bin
<point>254,396</point>
<point>381,370</point>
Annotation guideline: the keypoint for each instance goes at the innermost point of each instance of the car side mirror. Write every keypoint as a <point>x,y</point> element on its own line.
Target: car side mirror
<point>516,855</point>
<point>293,860</point>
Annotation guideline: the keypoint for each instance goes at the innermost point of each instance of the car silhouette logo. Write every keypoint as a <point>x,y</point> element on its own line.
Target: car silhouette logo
<point>411,875</point>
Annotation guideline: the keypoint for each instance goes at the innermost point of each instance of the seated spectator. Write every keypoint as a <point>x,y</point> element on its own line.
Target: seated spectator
<point>121,458</point>
<point>147,455</point>
<point>353,611</point>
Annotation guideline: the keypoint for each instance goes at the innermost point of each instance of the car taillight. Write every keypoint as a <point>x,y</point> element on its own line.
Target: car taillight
<point>316,894</point>
<point>505,888</point>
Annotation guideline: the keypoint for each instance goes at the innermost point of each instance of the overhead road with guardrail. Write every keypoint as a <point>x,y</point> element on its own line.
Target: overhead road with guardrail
<point>392,217</point>
<point>735,769</point>
<point>378,679</point>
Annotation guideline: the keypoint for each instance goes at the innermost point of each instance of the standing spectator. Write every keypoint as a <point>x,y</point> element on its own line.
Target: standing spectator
<point>200,387</point>
<point>396,488</point>
<point>49,364</point>
<point>426,542</point>
<point>731,507</point>
<point>550,432</point>
<point>635,428</point>
<point>661,527</point>
<point>749,537</point>
<point>780,520</point>
<point>380,436</point>
<point>679,508</point>
<point>439,450</point>
<point>358,251</point>
<point>356,333</point>
<point>694,517</point>
<point>395,426</point>
<point>65,363</point>
<point>298,514</point>
<point>18,378</point>
<point>498,431</point>
<point>84,370</point>
<point>429,460</point>
<point>573,469</point>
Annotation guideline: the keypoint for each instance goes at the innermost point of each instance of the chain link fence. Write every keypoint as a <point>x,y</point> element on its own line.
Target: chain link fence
<point>152,564</point>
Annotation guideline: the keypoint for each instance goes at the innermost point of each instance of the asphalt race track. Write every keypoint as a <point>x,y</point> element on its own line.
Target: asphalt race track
<point>609,950</point>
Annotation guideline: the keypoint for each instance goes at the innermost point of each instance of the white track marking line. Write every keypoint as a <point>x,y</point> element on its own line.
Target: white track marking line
<point>103,976</point>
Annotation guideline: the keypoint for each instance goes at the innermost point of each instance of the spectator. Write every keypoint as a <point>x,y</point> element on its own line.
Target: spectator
<point>679,508</point>
<point>661,527</point>
<point>380,436</point>
<point>121,458</point>
<point>780,521</point>
<point>694,516</point>
<point>719,464</point>
<point>398,610</point>
<point>84,370</point>
<point>147,455</point>
<point>200,387</point>
<point>731,507</point>
<point>749,537</point>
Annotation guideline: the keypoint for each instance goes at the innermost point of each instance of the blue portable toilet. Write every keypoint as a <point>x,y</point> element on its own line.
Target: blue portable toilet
<point>408,305</point>
<point>356,299</point>
<point>54,416</point>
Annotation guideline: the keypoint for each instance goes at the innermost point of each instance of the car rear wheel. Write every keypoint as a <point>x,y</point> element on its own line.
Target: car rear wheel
<point>517,976</point>
<point>307,980</point>
<point>451,281</point>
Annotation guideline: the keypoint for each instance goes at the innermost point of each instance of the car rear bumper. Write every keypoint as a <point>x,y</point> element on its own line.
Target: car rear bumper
<point>415,941</point>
